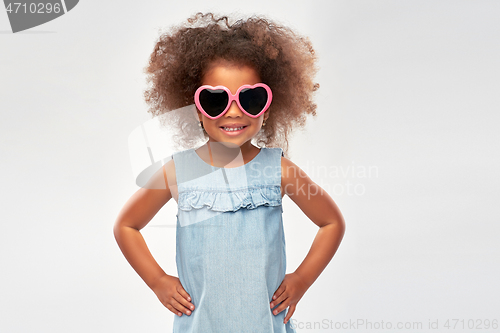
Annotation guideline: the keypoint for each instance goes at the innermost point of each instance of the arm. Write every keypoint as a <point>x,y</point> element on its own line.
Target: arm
<point>318,206</point>
<point>135,215</point>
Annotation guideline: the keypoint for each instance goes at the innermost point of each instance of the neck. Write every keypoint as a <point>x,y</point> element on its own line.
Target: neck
<point>222,154</point>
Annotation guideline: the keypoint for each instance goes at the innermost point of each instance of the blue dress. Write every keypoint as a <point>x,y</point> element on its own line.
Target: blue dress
<point>230,250</point>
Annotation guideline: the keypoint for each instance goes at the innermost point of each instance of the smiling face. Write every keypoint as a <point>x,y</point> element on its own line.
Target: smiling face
<point>232,76</point>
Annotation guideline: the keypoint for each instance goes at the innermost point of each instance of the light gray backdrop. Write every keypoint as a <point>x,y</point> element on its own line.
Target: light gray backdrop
<point>407,126</point>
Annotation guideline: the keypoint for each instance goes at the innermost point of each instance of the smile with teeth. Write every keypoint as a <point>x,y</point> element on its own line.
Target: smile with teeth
<point>231,129</point>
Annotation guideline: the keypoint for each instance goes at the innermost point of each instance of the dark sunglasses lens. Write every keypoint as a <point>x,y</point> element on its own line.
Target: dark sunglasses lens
<point>213,102</point>
<point>253,100</point>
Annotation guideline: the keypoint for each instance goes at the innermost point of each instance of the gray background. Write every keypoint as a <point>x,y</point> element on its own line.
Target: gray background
<point>409,88</point>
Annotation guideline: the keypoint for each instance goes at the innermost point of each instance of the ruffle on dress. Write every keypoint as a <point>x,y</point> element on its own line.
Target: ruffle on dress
<point>230,201</point>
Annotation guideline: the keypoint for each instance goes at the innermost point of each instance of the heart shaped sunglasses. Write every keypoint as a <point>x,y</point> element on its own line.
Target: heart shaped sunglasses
<point>214,102</point>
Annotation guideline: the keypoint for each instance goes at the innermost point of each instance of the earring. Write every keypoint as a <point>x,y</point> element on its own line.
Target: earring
<point>264,123</point>
<point>200,124</point>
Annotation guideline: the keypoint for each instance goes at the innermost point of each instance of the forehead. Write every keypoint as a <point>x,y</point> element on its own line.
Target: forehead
<point>230,75</point>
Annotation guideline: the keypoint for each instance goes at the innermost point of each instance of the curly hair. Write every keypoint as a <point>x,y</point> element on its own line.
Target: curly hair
<point>284,60</point>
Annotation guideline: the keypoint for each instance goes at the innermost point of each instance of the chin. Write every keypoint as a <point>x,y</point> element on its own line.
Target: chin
<point>230,144</point>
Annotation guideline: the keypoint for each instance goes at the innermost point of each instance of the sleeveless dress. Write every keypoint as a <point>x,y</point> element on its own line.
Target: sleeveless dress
<point>230,244</point>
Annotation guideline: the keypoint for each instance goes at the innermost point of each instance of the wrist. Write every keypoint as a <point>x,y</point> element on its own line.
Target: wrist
<point>156,281</point>
<point>304,277</point>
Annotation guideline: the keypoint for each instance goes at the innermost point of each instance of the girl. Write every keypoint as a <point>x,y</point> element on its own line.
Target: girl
<point>251,80</point>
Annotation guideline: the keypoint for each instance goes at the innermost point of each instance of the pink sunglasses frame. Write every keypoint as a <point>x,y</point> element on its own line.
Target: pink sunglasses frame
<point>232,98</point>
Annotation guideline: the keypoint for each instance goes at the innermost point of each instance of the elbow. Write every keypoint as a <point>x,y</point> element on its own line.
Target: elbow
<point>338,224</point>
<point>341,225</point>
<point>117,229</point>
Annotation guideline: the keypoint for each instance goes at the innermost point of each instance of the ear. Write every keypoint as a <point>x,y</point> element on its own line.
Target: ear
<point>266,115</point>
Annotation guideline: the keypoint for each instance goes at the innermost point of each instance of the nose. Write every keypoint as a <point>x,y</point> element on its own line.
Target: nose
<point>234,110</point>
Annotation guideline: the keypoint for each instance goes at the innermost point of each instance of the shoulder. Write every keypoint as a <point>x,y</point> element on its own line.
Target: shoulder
<point>276,150</point>
<point>273,151</point>
<point>292,177</point>
<point>162,177</point>
<point>169,174</point>
<point>181,158</point>
<point>182,152</point>
<point>287,168</point>
<point>169,168</point>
